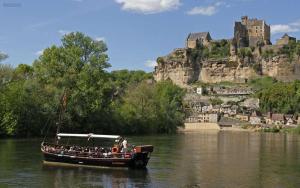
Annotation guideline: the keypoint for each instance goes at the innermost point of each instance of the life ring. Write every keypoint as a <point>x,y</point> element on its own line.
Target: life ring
<point>115,150</point>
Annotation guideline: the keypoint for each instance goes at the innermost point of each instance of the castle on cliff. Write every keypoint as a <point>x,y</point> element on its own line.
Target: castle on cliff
<point>250,55</point>
<point>247,33</point>
<point>251,32</point>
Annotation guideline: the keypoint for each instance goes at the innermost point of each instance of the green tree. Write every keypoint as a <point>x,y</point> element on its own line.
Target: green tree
<point>280,97</point>
<point>20,104</point>
<point>245,52</point>
<point>170,114</point>
<point>220,49</point>
<point>123,78</point>
<point>216,101</point>
<point>152,108</point>
<point>77,67</point>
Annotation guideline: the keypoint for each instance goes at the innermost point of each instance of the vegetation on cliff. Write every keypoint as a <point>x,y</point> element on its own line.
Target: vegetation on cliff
<point>217,50</point>
<point>290,50</point>
<point>97,101</point>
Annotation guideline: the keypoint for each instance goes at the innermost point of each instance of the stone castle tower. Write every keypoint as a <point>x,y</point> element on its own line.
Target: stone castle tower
<point>251,32</point>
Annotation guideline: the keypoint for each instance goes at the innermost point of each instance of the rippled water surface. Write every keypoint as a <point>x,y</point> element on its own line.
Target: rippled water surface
<point>204,159</point>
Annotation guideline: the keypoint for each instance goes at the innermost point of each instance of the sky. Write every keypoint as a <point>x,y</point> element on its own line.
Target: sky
<point>135,31</point>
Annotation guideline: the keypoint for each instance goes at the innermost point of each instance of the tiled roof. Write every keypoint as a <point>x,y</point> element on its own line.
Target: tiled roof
<point>277,117</point>
<point>195,36</point>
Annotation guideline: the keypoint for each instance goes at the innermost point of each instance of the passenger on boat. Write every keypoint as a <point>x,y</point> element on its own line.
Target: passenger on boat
<point>124,145</point>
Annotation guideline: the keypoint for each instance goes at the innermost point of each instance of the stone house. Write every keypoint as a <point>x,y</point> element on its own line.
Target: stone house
<point>242,117</point>
<point>203,118</point>
<point>285,39</point>
<point>290,119</point>
<point>207,108</point>
<point>232,91</point>
<point>199,90</point>
<point>194,39</point>
<point>276,119</point>
<point>255,118</point>
<point>250,32</point>
<point>216,109</point>
<point>225,109</point>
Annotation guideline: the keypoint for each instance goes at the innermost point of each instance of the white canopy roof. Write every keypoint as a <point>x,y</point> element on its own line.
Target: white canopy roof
<point>91,135</point>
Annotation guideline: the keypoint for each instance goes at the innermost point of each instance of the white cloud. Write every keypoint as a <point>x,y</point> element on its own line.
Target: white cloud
<point>296,23</point>
<point>63,32</point>
<point>149,6</point>
<point>150,63</point>
<point>40,52</point>
<point>282,28</point>
<point>99,38</point>
<point>286,28</point>
<point>206,11</point>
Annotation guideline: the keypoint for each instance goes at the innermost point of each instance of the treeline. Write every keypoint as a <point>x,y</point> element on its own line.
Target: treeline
<point>278,97</point>
<point>74,77</point>
<point>291,50</point>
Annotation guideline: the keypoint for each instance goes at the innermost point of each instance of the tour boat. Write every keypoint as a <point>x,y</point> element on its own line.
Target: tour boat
<point>95,155</point>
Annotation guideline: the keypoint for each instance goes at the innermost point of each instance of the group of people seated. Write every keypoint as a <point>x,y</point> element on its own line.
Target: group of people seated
<point>119,150</point>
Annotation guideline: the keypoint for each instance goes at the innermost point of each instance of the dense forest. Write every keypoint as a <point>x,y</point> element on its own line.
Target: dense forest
<point>71,83</point>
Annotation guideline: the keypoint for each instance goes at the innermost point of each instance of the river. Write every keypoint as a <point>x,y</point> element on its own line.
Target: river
<point>203,159</point>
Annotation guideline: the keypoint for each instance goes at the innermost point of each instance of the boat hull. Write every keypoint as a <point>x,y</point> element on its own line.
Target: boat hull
<point>138,160</point>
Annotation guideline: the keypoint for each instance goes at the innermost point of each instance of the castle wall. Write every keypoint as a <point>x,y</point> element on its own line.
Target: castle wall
<point>191,44</point>
<point>250,31</point>
<point>240,34</point>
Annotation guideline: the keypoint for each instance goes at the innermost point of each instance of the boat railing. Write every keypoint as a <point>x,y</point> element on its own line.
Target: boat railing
<point>78,151</point>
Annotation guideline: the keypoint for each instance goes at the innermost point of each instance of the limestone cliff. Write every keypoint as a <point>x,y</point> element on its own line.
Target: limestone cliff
<point>183,67</point>
<point>177,67</point>
<point>281,68</point>
<point>214,71</point>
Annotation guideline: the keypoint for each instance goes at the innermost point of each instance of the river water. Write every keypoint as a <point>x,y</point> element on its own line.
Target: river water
<point>203,159</point>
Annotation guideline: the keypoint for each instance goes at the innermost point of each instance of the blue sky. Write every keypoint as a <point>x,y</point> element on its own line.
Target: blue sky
<point>136,31</point>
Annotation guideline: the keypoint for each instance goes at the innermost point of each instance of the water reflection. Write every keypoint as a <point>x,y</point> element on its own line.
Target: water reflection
<point>59,176</point>
<point>204,159</point>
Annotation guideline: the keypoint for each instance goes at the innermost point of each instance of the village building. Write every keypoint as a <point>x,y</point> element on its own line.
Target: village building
<point>242,117</point>
<point>207,108</point>
<point>275,119</point>
<point>195,39</point>
<point>290,119</point>
<point>228,110</point>
<point>199,90</point>
<point>234,91</point>
<point>285,39</point>
<point>216,109</point>
<point>251,32</point>
<point>203,118</point>
<point>255,118</point>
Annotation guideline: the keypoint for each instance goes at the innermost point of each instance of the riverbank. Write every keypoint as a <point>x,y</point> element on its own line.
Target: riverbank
<point>194,127</point>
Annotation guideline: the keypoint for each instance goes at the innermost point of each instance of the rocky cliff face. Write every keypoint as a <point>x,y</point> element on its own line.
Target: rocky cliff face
<point>177,67</point>
<point>281,68</point>
<point>214,71</point>
<point>182,68</point>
